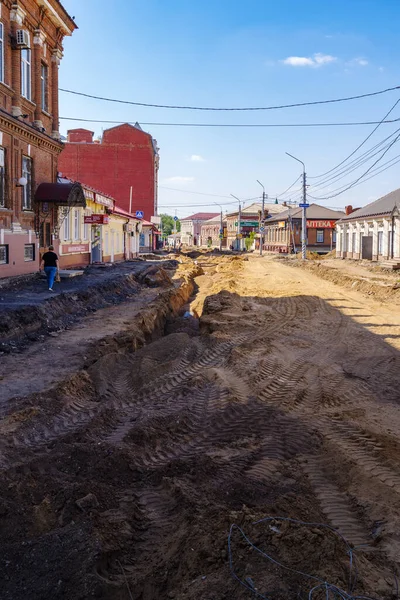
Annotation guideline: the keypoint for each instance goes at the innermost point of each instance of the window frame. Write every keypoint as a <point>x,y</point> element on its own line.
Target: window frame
<point>319,231</point>
<point>2,52</point>
<point>380,243</point>
<point>26,74</point>
<point>32,246</point>
<point>27,189</point>
<point>7,256</point>
<point>3,178</point>
<point>77,224</point>
<point>44,87</point>
<point>67,228</point>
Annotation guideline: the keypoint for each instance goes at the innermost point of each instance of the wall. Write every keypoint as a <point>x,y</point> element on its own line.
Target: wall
<point>125,158</point>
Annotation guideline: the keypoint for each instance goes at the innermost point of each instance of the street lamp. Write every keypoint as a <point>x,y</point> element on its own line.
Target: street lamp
<point>239,229</point>
<point>262,217</point>
<point>221,229</point>
<point>303,206</point>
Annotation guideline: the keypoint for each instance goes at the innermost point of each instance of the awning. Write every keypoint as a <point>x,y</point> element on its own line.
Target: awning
<point>61,194</point>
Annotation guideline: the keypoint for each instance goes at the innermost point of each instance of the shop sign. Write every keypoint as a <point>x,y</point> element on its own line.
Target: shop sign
<point>129,227</point>
<point>281,224</point>
<point>88,194</point>
<point>96,219</point>
<point>321,224</point>
<point>74,248</point>
<point>104,201</point>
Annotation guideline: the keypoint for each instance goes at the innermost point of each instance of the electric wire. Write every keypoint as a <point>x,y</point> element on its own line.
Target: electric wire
<point>360,145</point>
<point>238,125</point>
<point>252,108</point>
<point>290,187</point>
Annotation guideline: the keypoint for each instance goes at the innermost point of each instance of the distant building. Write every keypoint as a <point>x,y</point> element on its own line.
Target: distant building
<point>249,222</point>
<point>191,228</point>
<point>211,231</point>
<point>31,35</point>
<point>124,163</point>
<point>371,232</point>
<point>283,231</point>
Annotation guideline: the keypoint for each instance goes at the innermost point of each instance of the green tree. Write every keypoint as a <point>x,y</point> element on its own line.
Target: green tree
<point>168,224</point>
<point>249,240</point>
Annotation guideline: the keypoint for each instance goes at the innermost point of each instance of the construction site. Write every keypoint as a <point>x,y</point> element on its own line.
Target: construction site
<point>202,426</point>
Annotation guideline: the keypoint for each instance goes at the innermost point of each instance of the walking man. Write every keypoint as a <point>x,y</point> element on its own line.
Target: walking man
<point>50,264</point>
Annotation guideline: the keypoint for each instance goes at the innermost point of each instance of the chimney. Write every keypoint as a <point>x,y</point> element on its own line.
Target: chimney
<point>80,136</point>
<point>284,203</point>
<point>348,209</point>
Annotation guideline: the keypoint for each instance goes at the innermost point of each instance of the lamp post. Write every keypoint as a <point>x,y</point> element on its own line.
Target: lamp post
<point>239,229</point>
<point>303,206</point>
<point>262,217</point>
<point>221,229</point>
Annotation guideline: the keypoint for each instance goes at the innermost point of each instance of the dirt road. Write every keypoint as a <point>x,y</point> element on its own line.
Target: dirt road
<point>124,482</point>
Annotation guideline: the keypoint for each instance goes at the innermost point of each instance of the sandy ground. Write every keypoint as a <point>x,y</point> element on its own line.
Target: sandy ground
<point>124,481</point>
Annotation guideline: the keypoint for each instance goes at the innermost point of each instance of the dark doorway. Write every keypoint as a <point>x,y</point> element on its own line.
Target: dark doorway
<point>366,247</point>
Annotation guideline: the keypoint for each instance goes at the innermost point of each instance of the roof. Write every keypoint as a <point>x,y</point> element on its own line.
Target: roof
<point>382,206</point>
<point>123,213</point>
<point>200,217</point>
<point>254,208</point>
<point>148,224</point>
<point>214,221</point>
<point>66,180</point>
<point>314,211</point>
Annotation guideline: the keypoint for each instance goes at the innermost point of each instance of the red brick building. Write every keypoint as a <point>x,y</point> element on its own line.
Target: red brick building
<point>124,163</point>
<point>31,34</point>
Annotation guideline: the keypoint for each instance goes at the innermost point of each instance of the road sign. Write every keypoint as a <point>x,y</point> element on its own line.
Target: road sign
<point>262,229</point>
<point>221,237</point>
<point>139,214</point>
<point>247,223</point>
<point>304,205</point>
<point>176,219</point>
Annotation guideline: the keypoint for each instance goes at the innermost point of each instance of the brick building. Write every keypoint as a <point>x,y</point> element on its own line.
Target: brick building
<point>191,228</point>
<point>124,163</point>
<point>31,34</point>
<point>211,232</point>
<point>283,232</point>
<point>249,222</point>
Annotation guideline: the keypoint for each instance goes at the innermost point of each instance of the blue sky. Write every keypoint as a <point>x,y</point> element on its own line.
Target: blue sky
<point>232,53</point>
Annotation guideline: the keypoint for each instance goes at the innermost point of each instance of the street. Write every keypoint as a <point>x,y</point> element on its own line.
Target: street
<point>121,476</point>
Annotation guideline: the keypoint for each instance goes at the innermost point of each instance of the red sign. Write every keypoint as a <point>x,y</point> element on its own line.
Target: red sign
<point>321,224</point>
<point>74,248</point>
<point>97,219</point>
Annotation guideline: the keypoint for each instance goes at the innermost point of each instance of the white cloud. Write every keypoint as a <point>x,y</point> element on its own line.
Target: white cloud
<point>358,62</point>
<point>381,69</point>
<point>317,60</point>
<point>178,179</point>
<point>196,158</point>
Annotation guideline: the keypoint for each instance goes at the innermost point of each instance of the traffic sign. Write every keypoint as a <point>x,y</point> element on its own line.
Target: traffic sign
<point>304,205</point>
<point>176,219</point>
<point>139,214</point>
<point>262,229</point>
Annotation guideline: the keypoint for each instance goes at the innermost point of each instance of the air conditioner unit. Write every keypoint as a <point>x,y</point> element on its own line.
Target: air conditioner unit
<point>23,38</point>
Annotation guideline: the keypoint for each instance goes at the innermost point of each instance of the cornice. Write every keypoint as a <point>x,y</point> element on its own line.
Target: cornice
<point>30,135</point>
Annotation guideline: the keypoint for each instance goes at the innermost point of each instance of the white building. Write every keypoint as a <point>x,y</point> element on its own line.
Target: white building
<point>372,232</point>
<point>191,228</point>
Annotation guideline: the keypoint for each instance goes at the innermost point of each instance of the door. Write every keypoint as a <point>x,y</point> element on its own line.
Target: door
<point>96,244</point>
<point>366,247</point>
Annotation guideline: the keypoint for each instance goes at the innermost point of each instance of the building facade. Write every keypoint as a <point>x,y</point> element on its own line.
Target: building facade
<point>124,164</point>
<point>249,223</point>
<point>371,232</point>
<point>31,34</point>
<point>212,232</point>
<point>191,228</point>
<point>283,232</point>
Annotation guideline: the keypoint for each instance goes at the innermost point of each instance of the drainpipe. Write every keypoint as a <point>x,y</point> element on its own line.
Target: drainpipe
<point>126,251</point>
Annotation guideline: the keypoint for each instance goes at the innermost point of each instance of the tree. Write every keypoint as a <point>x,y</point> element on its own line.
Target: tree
<point>168,225</point>
<point>249,240</point>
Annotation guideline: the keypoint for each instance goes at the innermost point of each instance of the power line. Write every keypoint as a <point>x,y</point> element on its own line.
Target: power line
<point>154,124</point>
<point>290,187</point>
<point>360,145</point>
<point>297,104</point>
<point>361,176</point>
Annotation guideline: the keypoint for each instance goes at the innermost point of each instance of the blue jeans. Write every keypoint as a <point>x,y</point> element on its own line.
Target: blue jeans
<point>51,275</point>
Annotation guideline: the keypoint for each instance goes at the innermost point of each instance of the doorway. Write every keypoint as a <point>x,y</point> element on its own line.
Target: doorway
<point>96,244</point>
<point>366,247</point>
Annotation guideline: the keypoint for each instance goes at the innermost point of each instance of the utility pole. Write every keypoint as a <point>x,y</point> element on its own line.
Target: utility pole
<point>175,231</point>
<point>239,229</point>
<point>304,207</point>
<point>262,217</point>
<point>221,228</point>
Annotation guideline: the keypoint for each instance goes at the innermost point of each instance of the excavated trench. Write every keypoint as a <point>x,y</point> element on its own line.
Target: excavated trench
<point>125,480</point>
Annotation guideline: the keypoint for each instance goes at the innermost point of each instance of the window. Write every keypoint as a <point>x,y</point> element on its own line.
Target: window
<point>354,241</point>
<point>2,178</point>
<point>86,226</point>
<point>44,78</point>
<point>390,244</point>
<point>4,254</point>
<point>44,235</point>
<point>2,52</point>
<point>106,243</point>
<point>380,243</point>
<point>27,189</point>
<point>334,236</point>
<point>320,236</point>
<point>77,224</point>
<point>26,73</point>
<point>67,230</point>
<point>29,252</point>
